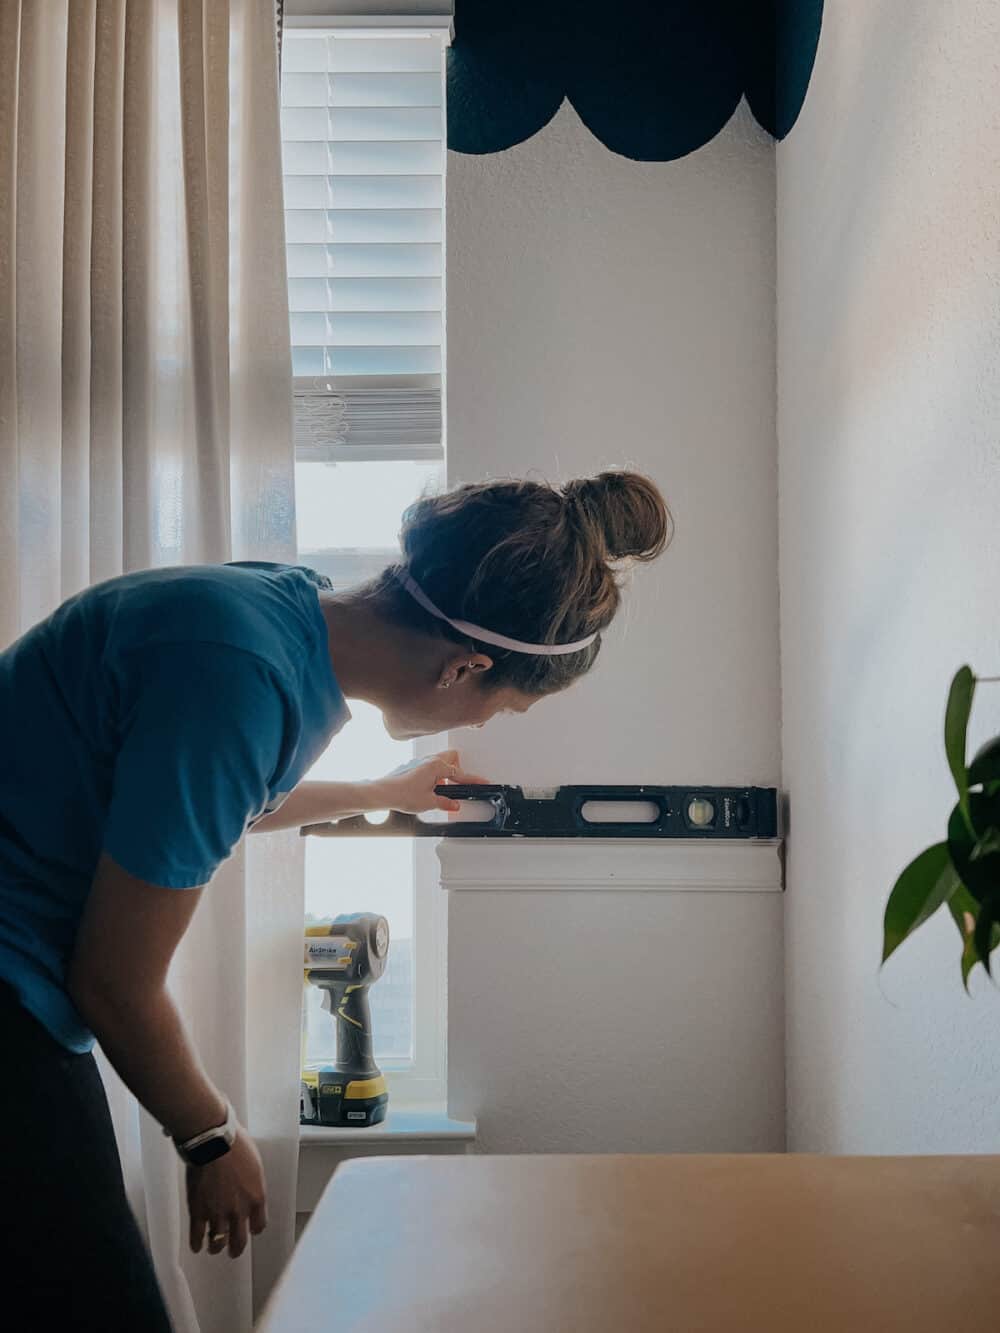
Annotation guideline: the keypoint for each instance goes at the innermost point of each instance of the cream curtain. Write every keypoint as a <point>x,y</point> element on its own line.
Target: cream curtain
<point>145,420</point>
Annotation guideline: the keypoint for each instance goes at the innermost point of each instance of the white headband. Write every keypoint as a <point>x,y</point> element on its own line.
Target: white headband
<point>486,635</point>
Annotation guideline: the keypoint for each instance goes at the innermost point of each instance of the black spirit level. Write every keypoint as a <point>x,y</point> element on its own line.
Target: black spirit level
<point>677,812</point>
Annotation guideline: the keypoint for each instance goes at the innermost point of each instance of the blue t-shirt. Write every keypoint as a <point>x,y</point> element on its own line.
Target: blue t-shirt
<point>153,717</point>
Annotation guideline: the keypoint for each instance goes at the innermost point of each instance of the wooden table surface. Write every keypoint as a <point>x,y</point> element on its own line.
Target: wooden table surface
<point>616,1244</point>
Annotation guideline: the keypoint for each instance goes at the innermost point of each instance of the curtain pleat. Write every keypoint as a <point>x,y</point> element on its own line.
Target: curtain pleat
<point>146,316</point>
<point>106,552</point>
<point>77,231</point>
<point>40,142</point>
<point>204,59</point>
<point>10,589</point>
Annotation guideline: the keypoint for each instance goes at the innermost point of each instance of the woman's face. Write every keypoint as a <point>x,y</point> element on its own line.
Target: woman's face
<point>467,701</point>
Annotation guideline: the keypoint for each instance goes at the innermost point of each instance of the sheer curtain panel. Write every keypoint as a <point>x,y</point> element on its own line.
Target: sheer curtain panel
<point>145,419</point>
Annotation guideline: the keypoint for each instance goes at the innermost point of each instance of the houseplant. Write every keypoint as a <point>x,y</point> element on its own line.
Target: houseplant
<point>963,871</point>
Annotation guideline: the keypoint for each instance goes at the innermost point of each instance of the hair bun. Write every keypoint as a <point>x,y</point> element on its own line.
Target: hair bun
<point>627,510</point>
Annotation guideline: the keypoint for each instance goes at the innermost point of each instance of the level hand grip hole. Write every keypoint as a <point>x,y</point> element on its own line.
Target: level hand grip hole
<point>480,812</point>
<point>619,812</point>
<point>435,817</point>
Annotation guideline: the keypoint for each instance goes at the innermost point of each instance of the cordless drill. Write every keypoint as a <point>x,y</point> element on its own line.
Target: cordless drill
<point>343,960</point>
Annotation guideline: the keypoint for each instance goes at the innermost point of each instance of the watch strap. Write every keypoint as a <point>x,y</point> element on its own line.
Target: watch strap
<point>197,1150</point>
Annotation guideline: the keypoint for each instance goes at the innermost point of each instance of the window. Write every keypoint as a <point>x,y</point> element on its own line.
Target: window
<point>363,156</point>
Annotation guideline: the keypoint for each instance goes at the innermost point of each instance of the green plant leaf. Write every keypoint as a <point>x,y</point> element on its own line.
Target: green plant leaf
<point>985,767</point>
<point>956,725</point>
<point>986,923</point>
<point>974,844</point>
<point>971,953</point>
<point>926,883</point>
<point>987,846</point>
<point>961,904</point>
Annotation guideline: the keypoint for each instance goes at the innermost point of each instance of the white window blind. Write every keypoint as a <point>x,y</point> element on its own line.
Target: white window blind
<point>363,142</point>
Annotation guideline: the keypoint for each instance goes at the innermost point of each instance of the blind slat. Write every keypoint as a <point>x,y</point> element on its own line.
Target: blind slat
<point>359,123</point>
<point>327,53</point>
<point>353,90</point>
<point>369,191</point>
<point>363,225</point>
<point>381,328</point>
<point>314,294</point>
<point>370,361</point>
<point>386,157</point>
<point>364,261</point>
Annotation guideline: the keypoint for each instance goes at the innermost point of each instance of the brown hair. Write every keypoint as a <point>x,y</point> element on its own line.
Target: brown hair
<point>530,560</point>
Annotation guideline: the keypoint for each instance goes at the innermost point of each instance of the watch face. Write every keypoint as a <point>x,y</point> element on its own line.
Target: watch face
<point>207,1152</point>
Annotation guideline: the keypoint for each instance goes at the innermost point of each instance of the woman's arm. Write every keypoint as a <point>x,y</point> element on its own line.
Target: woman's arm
<point>410,789</point>
<point>318,803</point>
<point>117,980</point>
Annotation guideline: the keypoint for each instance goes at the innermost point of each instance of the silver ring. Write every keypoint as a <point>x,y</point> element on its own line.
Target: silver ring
<point>216,1236</point>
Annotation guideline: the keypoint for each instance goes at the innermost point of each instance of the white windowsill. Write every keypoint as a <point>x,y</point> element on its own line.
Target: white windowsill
<point>402,1125</point>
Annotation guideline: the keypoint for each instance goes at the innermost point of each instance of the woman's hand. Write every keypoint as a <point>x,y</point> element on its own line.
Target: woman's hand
<point>410,789</point>
<point>228,1196</point>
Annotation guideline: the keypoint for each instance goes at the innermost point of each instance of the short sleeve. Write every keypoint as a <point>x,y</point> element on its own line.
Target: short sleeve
<point>203,731</point>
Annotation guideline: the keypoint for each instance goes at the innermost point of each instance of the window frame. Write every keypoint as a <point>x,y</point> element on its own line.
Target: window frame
<point>424,1081</point>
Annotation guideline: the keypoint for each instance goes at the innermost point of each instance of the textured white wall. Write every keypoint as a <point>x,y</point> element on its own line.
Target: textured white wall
<point>889,429</point>
<point>606,311</point>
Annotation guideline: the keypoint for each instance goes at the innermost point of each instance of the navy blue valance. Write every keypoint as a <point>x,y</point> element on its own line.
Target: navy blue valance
<point>652,79</point>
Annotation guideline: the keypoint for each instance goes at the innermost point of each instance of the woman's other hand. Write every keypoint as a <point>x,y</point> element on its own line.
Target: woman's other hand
<point>410,789</point>
<point>227,1198</point>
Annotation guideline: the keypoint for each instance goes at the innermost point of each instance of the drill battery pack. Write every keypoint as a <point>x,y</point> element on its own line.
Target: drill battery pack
<point>327,1099</point>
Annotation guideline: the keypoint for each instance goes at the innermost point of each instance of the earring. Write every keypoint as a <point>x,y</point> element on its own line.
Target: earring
<point>445,684</point>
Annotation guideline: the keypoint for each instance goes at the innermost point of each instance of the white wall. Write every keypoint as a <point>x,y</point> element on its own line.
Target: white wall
<point>610,997</point>
<point>889,428</point>
<point>605,311</point>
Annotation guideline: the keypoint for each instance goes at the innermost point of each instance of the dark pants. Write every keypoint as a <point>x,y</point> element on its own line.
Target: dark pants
<point>71,1254</point>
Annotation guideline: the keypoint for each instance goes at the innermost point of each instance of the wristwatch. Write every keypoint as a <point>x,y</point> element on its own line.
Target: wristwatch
<point>211,1144</point>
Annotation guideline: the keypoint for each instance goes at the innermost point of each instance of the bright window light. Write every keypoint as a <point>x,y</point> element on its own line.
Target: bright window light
<point>357,505</point>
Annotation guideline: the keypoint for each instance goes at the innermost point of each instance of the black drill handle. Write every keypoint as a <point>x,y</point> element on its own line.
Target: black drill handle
<point>355,1054</point>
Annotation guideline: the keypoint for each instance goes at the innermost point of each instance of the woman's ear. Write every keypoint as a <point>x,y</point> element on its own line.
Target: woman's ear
<point>462,666</point>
